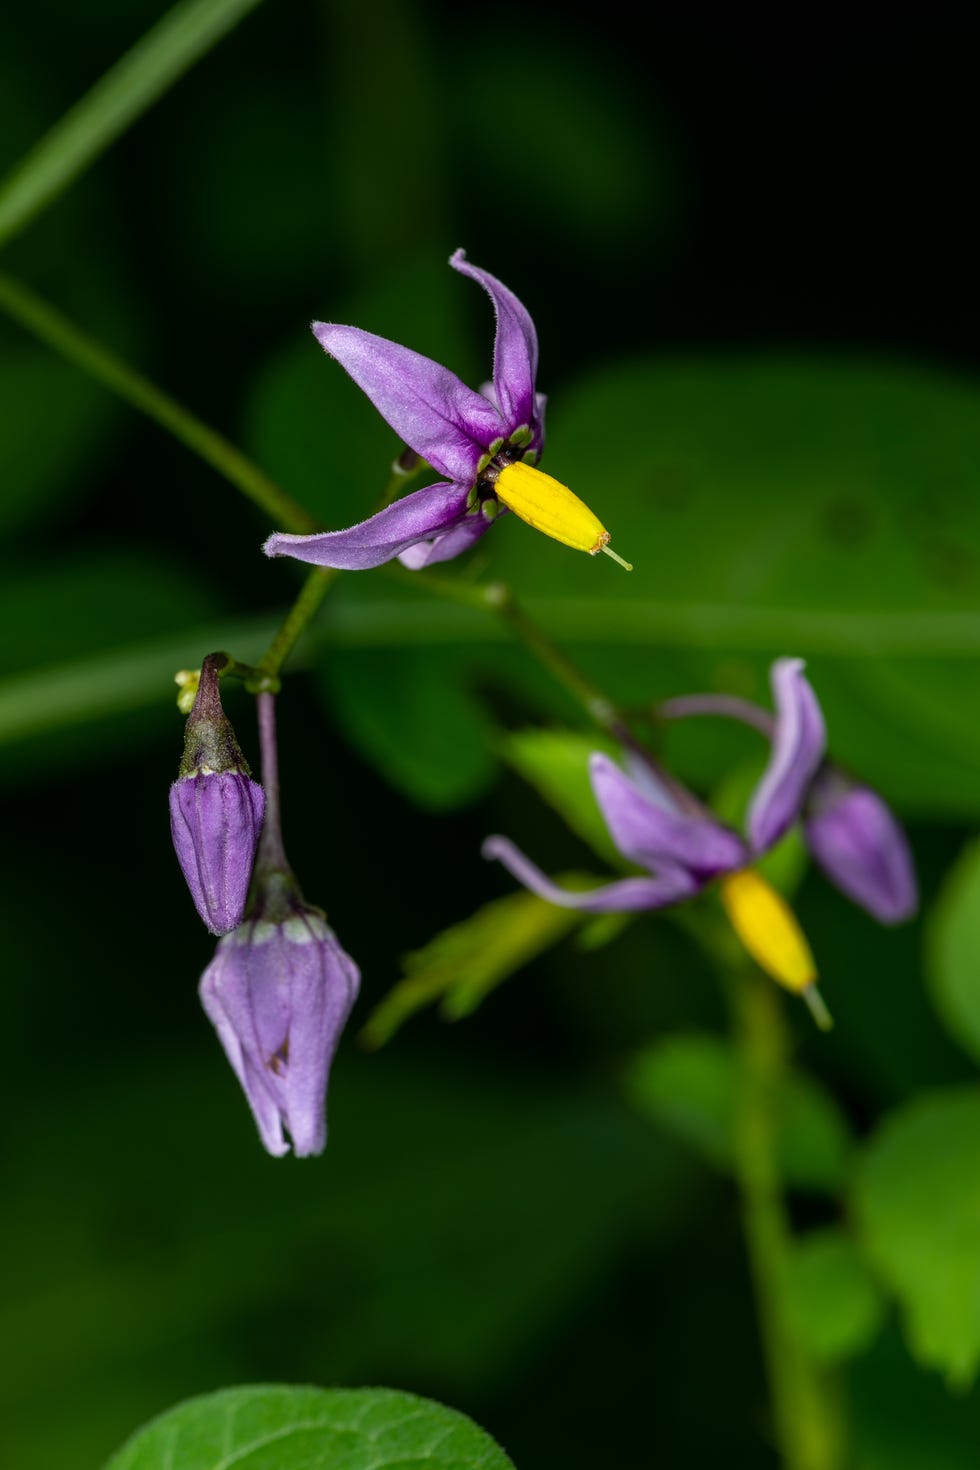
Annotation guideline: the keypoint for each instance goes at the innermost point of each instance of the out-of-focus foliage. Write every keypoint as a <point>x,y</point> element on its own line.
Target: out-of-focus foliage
<point>918,1202</point>
<point>954,950</point>
<point>833,1299</point>
<point>690,1084</point>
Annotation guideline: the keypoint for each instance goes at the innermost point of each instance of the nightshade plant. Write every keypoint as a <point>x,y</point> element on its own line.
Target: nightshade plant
<point>280,988</point>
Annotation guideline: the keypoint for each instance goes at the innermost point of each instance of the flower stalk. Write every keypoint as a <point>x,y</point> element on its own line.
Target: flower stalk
<point>807,1421</point>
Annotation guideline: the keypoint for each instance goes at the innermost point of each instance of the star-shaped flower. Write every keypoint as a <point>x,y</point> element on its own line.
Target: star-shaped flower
<point>484,444</point>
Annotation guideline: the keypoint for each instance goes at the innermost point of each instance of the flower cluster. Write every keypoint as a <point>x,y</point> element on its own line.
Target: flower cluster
<point>280,987</point>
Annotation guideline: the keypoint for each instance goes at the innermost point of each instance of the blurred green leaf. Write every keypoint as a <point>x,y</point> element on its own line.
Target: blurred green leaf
<point>918,1201</point>
<point>781,505</point>
<point>556,764</point>
<point>134,83</point>
<point>411,715</point>
<point>833,1301</point>
<point>953,950</point>
<point>689,1084</point>
<point>280,1428</point>
<point>465,962</point>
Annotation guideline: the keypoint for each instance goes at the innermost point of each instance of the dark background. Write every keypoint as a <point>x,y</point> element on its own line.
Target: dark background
<point>492,1224</point>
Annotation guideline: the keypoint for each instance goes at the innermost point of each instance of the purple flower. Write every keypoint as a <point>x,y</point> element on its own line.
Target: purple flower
<point>278,995</point>
<point>484,444</point>
<point>658,825</point>
<point>860,846</point>
<point>216,810</point>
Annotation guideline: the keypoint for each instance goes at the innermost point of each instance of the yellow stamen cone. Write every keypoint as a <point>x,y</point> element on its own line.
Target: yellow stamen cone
<point>551,507</point>
<point>766,925</point>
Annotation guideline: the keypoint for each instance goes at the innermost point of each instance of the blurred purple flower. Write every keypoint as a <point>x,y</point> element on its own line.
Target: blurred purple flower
<point>859,845</point>
<point>484,444</point>
<point>216,810</point>
<point>658,825</point>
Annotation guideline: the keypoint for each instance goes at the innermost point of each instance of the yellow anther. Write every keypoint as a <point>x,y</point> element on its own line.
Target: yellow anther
<point>551,507</point>
<point>766,925</point>
<point>187,681</point>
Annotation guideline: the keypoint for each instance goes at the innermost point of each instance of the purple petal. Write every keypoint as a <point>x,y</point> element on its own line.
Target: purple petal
<point>417,517</point>
<point>862,849</point>
<point>279,996</point>
<point>515,353</point>
<point>651,829</point>
<point>798,747</point>
<point>451,543</point>
<point>627,895</point>
<point>215,820</point>
<point>428,407</point>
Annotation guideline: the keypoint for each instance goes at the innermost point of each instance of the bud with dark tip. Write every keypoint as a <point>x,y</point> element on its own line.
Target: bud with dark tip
<point>216,810</point>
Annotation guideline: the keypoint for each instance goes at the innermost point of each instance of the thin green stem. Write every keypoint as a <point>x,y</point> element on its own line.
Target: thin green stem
<point>32,312</point>
<point>311,594</point>
<point>314,589</point>
<point>807,1420</point>
<point>134,83</point>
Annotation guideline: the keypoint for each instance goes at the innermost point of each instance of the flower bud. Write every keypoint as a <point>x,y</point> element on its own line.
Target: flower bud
<point>279,994</point>
<point>216,810</point>
<point>856,840</point>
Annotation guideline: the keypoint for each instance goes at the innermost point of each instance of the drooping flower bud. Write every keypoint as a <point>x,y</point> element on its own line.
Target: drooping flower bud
<point>216,810</point>
<point>860,846</point>
<point>280,988</point>
<point>278,995</point>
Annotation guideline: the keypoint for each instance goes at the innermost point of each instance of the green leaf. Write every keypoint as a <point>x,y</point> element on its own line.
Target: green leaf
<point>134,83</point>
<point>282,1428</point>
<point>953,950</point>
<point>833,1301</point>
<point>689,1084</point>
<point>556,764</point>
<point>465,962</point>
<point>411,715</point>
<point>918,1201</point>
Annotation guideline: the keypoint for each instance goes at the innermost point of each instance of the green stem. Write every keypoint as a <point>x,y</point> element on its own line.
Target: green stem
<point>32,312</point>
<point>312,593</point>
<point>134,83</point>
<point>807,1421</point>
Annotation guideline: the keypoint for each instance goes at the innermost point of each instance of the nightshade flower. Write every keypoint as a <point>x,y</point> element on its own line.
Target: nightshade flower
<point>659,825</point>
<point>216,810</point>
<point>485,445</point>
<point>279,994</point>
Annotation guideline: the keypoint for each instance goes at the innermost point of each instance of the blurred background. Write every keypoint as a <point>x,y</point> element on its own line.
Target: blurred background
<point>751,258</point>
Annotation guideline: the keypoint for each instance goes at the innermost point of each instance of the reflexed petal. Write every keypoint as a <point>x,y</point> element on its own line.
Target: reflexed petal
<point>625,896</point>
<point>418,517</point>
<point>428,407</point>
<point>451,543</point>
<point>798,747</point>
<point>657,833</point>
<point>862,849</point>
<point>515,353</point>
